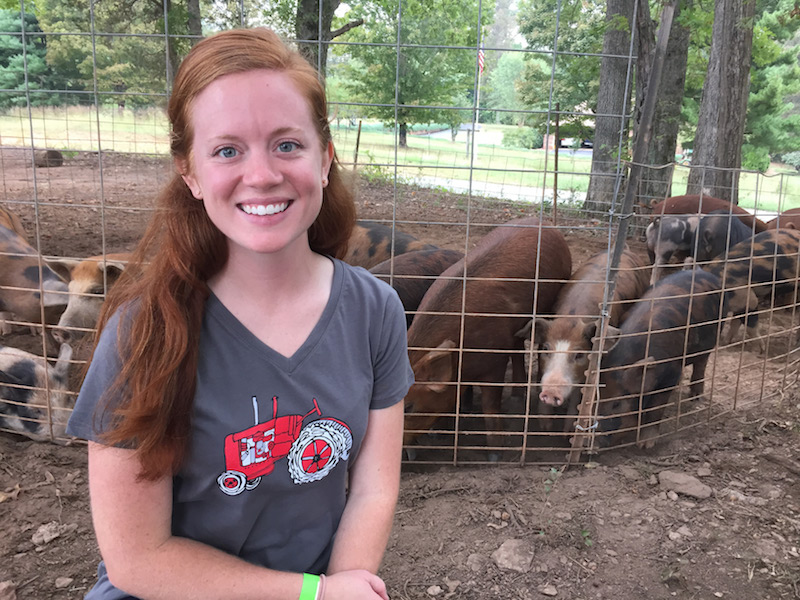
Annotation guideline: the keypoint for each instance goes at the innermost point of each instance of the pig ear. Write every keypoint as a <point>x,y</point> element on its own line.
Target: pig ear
<point>589,329</point>
<point>525,332</point>
<point>436,366</point>
<point>633,375</point>
<point>113,269</point>
<point>612,338</point>
<point>541,325</point>
<point>62,266</point>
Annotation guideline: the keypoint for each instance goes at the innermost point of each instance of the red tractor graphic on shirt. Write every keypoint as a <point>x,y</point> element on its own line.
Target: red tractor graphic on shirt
<point>312,451</point>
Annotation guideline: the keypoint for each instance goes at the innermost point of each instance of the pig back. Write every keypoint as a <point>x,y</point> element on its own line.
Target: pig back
<point>693,204</point>
<point>582,295</point>
<point>656,325</point>
<point>500,273</point>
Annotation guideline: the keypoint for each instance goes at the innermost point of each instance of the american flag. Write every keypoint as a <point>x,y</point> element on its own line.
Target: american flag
<point>481,59</point>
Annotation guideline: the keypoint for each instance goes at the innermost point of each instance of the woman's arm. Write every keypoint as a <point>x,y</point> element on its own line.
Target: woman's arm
<point>374,485</point>
<point>132,521</point>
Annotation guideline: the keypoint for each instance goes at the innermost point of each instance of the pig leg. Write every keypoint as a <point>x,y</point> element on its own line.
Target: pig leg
<point>651,420</point>
<point>698,376</point>
<point>490,401</point>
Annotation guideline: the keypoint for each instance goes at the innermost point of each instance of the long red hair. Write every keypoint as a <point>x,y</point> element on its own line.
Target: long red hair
<point>166,281</point>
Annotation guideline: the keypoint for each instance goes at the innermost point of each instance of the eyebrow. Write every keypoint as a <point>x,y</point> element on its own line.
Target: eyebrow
<point>276,133</point>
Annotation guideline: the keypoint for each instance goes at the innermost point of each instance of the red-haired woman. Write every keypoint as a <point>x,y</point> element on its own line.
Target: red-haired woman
<point>243,403</point>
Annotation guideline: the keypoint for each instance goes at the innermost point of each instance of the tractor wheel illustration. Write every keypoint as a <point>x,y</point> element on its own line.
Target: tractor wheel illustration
<point>232,483</point>
<point>317,450</point>
<point>252,484</point>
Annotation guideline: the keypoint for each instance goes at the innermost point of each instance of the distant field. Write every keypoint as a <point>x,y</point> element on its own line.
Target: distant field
<point>435,161</point>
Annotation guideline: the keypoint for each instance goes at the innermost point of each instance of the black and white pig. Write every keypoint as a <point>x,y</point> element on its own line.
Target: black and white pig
<point>25,382</point>
<point>718,231</point>
<point>674,324</point>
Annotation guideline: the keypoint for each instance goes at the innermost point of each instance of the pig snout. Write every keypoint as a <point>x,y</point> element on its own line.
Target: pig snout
<point>556,385</point>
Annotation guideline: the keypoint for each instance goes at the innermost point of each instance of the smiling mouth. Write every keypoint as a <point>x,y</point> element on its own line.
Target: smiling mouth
<point>264,209</point>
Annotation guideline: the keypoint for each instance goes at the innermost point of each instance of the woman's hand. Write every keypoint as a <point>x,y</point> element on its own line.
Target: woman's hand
<point>354,585</point>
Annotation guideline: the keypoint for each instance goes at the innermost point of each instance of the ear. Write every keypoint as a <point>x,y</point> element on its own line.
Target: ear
<point>327,160</point>
<point>63,266</point>
<point>113,270</point>
<point>612,338</point>
<point>633,375</point>
<point>436,367</point>
<point>525,332</point>
<point>184,168</point>
<point>707,236</point>
<point>589,329</point>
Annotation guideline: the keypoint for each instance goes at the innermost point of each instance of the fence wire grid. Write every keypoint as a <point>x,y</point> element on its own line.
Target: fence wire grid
<point>81,167</point>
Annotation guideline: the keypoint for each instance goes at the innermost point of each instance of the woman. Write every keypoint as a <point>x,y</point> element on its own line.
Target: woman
<point>243,404</point>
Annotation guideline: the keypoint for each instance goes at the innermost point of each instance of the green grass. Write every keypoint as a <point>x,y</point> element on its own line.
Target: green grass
<point>146,131</point>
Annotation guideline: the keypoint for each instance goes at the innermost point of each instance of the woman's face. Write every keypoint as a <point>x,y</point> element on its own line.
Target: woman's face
<point>257,163</point>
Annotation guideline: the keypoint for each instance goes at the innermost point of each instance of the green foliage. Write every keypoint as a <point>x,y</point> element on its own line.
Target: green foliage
<point>755,158</point>
<point>501,89</point>
<point>397,64</point>
<point>573,75</point>
<point>792,159</point>
<point>522,137</point>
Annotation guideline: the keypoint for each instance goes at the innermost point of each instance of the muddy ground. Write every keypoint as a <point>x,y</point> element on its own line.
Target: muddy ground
<point>710,512</point>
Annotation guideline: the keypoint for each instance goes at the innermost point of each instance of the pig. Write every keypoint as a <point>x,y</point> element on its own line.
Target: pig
<point>762,271</point>
<point>672,236</point>
<point>25,383</point>
<point>11,221</point>
<point>695,205</point>
<point>788,219</point>
<point>566,340</point>
<point>669,237</point>
<point>412,273</point>
<point>643,360</point>
<point>498,298</point>
<point>24,275</point>
<point>371,243</point>
<point>717,232</point>
<point>89,281</point>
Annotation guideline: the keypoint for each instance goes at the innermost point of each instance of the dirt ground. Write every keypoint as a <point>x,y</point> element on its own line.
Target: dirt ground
<point>710,512</point>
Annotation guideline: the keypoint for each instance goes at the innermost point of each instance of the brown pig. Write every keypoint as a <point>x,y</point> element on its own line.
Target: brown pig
<point>412,273</point>
<point>788,219</point>
<point>89,280</point>
<point>566,340</point>
<point>513,264</point>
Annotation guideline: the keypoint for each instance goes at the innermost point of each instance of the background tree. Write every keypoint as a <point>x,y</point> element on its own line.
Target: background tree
<point>723,108</point>
<point>657,182</point>
<point>574,74</point>
<point>425,80</point>
<point>613,95</point>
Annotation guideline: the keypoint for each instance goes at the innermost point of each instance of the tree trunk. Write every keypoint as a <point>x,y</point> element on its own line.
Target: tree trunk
<point>402,138</point>
<point>657,182</point>
<point>723,108</point>
<point>313,29</point>
<point>610,123</point>
<point>194,24</point>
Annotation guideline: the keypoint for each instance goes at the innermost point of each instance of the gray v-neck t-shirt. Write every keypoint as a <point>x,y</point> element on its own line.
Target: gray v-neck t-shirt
<point>274,436</point>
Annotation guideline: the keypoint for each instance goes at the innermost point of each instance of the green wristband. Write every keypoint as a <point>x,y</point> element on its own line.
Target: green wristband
<point>310,585</point>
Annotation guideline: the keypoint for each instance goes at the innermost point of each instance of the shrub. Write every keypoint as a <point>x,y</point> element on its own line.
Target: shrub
<point>792,159</point>
<point>523,137</point>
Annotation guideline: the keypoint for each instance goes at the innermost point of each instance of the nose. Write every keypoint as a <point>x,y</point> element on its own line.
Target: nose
<point>551,398</point>
<point>262,170</point>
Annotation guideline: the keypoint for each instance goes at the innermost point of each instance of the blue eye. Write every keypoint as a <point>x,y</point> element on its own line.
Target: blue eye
<point>287,146</point>
<point>227,152</point>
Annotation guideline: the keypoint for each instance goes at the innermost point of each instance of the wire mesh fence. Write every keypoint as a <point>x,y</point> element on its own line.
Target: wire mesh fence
<point>515,361</point>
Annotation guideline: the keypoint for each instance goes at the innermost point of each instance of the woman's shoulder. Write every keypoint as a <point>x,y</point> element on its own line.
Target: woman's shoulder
<point>363,284</point>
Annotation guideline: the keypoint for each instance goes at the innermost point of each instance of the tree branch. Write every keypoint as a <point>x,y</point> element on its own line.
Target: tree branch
<point>346,28</point>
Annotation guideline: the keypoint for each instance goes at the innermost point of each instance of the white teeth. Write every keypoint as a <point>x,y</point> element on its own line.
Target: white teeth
<point>262,209</point>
